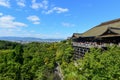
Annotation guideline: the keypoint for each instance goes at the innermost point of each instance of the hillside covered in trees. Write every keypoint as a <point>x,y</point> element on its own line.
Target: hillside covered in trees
<point>32,61</point>
<point>37,61</point>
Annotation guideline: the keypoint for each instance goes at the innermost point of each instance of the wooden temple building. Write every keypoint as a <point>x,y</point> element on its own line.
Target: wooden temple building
<point>100,36</point>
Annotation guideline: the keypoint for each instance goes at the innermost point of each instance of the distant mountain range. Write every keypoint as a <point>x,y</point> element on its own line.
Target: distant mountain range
<point>29,39</point>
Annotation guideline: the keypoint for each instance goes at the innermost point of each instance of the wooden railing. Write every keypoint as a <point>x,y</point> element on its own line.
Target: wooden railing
<point>92,44</point>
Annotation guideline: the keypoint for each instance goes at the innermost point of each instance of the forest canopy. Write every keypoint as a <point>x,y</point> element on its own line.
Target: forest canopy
<point>37,61</point>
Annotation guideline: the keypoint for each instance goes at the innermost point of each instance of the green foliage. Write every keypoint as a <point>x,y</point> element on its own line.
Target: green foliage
<point>70,71</point>
<point>33,61</point>
<point>19,54</point>
<point>7,45</point>
<point>96,65</point>
<point>36,61</point>
<point>101,65</point>
<point>64,52</point>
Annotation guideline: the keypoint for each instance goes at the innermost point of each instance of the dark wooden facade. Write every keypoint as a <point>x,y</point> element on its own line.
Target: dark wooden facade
<point>101,36</point>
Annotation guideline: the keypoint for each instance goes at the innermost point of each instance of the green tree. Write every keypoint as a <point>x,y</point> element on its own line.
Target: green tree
<point>101,65</point>
<point>19,54</point>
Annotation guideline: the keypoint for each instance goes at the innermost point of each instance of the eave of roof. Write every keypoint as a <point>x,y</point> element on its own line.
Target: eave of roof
<point>77,35</point>
<point>110,36</point>
<point>100,29</point>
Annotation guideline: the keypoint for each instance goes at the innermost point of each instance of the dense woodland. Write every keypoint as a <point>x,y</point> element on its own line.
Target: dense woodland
<point>37,61</point>
<point>32,61</point>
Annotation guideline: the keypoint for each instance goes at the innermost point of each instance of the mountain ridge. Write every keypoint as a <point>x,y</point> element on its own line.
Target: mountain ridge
<point>12,38</point>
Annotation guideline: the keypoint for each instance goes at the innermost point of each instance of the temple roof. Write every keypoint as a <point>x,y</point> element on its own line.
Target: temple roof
<point>113,25</point>
<point>76,35</point>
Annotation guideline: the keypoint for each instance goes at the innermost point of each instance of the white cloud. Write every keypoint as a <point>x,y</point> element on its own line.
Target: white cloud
<point>8,21</point>
<point>1,14</point>
<point>5,3</point>
<point>34,19</point>
<point>60,10</point>
<point>36,22</point>
<point>21,3</point>
<point>11,32</point>
<point>57,10</point>
<point>43,4</point>
<point>65,24</point>
<point>30,33</point>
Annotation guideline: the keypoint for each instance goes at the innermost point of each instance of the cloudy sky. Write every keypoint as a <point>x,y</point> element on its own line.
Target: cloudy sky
<point>54,18</point>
